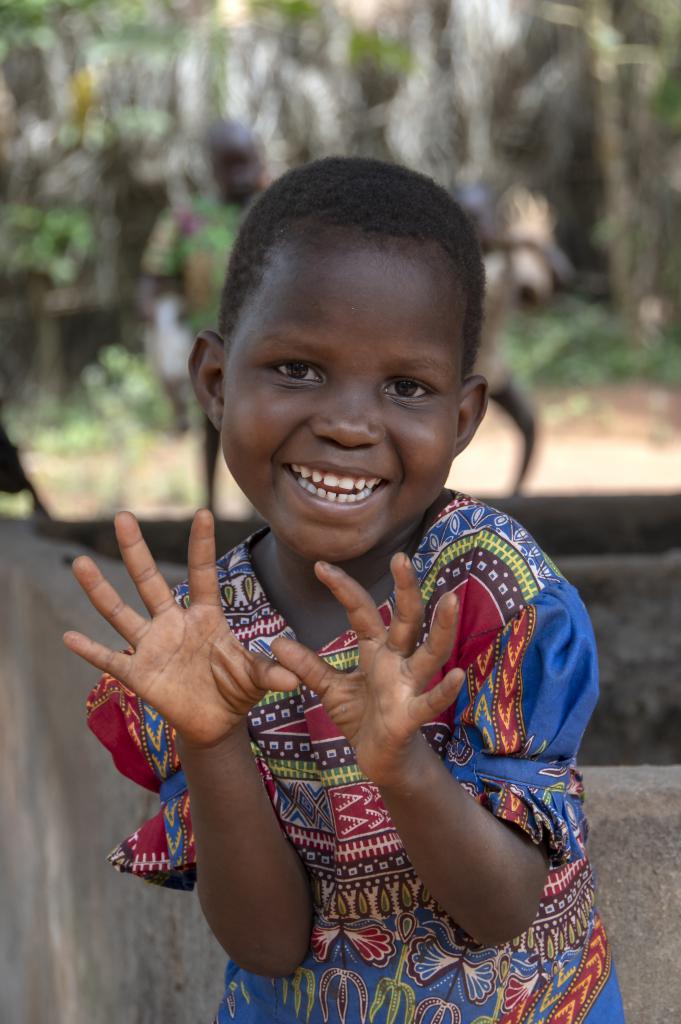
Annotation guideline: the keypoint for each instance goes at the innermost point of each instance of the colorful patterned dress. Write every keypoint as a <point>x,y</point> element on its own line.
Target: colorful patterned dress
<point>382,950</point>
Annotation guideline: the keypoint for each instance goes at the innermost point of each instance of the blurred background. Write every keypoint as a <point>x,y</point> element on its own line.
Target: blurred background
<point>557,124</point>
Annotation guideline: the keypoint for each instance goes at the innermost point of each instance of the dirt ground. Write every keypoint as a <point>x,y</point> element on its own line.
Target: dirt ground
<point>613,440</point>
<point>616,440</point>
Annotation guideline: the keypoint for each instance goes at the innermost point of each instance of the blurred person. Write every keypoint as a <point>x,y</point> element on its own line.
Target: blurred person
<point>183,267</point>
<point>13,478</point>
<point>523,266</point>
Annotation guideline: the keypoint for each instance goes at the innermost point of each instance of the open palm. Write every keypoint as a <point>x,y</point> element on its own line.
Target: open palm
<point>184,661</point>
<point>380,706</point>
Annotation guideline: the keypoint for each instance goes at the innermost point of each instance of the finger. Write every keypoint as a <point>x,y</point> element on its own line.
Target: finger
<point>304,664</point>
<point>437,647</point>
<point>363,615</point>
<point>242,680</point>
<point>408,615</point>
<point>429,705</point>
<point>270,675</point>
<point>240,663</point>
<point>114,662</point>
<point>151,587</point>
<point>106,599</point>
<point>203,580</point>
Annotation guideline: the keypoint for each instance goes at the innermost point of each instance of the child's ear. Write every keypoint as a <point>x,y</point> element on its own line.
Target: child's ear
<point>472,408</point>
<point>206,369</point>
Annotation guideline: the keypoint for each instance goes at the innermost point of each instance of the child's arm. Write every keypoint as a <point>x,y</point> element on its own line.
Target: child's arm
<point>188,665</point>
<point>252,885</point>
<point>488,876</point>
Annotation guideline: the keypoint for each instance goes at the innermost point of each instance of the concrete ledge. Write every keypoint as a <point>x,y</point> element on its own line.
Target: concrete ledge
<point>635,606</point>
<point>83,945</point>
<point>79,944</point>
<point>635,846</point>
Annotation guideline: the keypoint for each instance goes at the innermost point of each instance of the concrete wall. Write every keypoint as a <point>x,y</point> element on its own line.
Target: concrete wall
<point>80,944</point>
<point>635,606</point>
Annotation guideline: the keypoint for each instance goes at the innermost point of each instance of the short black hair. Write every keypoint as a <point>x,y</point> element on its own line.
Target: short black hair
<point>372,197</point>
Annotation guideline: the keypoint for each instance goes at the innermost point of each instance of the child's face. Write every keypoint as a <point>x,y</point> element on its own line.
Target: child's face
<point>347,363</point>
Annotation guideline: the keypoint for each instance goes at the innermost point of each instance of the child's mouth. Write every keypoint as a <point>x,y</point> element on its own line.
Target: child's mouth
<point>332,486</point>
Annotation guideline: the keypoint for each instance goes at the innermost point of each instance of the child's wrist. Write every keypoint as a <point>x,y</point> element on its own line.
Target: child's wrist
<point>223,746</point>
<point>411,770</point>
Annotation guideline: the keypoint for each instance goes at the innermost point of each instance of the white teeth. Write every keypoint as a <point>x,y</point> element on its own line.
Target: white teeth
<point>353,489</point>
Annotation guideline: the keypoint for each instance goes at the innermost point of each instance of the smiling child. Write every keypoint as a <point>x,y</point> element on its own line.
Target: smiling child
<point>362,721</point>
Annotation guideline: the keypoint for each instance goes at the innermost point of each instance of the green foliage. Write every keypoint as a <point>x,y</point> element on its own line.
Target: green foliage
<point>137,39</point>
<point>120,389</point>
<point>119,27</point>
<point>55,243</point>
<point>118,401</point>
<point>291,11</point>
<point>138,123</point>
<point>666,100</point>
<point>387,54</point>
<point>576,343</point>
<point>26,23</point>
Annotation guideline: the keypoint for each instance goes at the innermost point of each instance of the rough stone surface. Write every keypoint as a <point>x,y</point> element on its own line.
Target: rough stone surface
<point>635,606</point>
<point>79,943</point>
<point>635,845</point>
<point>599,524</point>
<point>82,945</point>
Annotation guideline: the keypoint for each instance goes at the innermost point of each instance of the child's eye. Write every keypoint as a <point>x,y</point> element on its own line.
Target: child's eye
<point>406,388</point>
<point>298,371</point>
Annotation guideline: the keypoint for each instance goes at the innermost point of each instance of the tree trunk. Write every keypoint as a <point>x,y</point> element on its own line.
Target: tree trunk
<point>611,155</point>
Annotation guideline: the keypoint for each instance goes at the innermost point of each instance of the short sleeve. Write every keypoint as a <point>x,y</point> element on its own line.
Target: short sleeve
<point>142,744</point>
<point>526,701</point>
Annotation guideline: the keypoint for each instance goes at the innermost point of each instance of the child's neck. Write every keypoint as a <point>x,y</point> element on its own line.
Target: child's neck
<point>306,604</point>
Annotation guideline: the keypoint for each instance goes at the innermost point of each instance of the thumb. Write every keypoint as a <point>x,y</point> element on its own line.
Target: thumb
<point>269,675</point>
<point>307,666</point>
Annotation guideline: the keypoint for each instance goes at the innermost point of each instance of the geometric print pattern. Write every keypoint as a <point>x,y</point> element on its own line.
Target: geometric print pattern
<point>495,687</point>
<point>382,949</point>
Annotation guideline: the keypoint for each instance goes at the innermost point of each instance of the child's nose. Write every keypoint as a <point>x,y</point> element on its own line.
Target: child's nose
<point>348,425</point>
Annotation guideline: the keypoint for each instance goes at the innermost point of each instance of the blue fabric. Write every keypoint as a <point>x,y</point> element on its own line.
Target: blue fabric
<point>558,692</point>
<point>173,787</point>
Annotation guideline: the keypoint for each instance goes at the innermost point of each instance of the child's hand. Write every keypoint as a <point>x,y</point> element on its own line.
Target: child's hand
<point>381,705</point>
<point>185,662</point>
